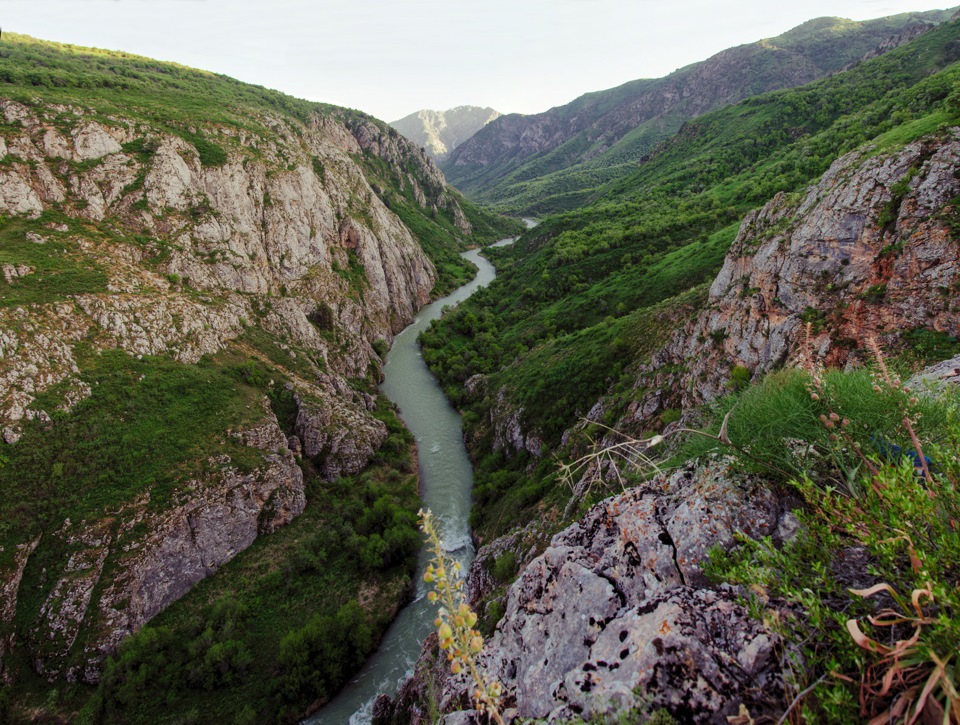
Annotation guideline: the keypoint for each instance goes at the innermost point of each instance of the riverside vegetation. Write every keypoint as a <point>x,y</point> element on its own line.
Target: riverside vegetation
<point>586,294</point>
<point>590,317</point>
<point>189,371</point>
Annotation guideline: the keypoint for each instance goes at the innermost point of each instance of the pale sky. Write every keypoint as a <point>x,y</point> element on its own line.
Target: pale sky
<point>392,57</point>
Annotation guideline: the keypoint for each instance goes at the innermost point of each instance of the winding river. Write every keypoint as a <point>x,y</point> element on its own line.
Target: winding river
<point>446,480</point>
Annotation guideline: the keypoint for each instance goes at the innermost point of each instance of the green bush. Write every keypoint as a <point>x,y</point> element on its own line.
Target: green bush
<point>505,567</point>
<point>315,659</point>
<point>787,428</point>
<point>210,154</point>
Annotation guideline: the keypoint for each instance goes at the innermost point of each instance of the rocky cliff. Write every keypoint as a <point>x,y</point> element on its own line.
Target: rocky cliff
<point>270,240</point>
<point>870,251</point>
<point>440,132</point>
<point>616,613</point>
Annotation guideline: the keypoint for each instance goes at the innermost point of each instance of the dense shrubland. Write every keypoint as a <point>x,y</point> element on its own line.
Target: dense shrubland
<point>867,596</point>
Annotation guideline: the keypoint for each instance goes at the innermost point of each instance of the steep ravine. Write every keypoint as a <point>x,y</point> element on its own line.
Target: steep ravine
<point>136,253</point>
<point>446,479</point>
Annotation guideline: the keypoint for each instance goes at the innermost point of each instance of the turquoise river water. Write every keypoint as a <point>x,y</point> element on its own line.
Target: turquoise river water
<point>446,480</point>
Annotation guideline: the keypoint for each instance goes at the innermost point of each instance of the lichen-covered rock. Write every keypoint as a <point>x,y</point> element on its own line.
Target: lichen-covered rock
<point>618,604</point>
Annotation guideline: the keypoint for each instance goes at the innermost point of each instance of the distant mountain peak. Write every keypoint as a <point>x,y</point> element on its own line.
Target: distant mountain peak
<point>440,132</point>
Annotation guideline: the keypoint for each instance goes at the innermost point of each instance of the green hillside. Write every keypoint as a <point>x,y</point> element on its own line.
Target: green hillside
<point>602,136</point>
<point>186,101</point>
<point>287,621</point>
<point>575,289</point>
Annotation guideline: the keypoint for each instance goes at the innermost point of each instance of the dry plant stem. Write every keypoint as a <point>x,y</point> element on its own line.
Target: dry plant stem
<point>881,363</point>
<point>919,450</point>
<point>631,451</point>
<point>798,698</point>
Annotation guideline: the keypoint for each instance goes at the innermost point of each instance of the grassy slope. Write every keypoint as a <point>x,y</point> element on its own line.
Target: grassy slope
<point>150,424</point>
<point>570,175</point>
<point>665,229</point>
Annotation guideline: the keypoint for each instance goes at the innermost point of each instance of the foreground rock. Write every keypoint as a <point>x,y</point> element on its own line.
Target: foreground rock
<point>618,608</point>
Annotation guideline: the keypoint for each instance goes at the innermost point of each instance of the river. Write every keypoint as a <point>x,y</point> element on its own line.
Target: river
<point>446,482</point>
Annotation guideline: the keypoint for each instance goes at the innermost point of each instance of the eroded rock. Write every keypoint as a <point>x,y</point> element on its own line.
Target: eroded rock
<point>618,603</point>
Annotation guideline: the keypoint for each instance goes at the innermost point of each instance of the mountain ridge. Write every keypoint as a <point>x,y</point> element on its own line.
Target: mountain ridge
<point>553,160</point>
<point>441,132</point>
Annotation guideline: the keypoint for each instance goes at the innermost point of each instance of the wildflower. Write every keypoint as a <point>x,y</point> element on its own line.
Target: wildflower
<point>455,625</point>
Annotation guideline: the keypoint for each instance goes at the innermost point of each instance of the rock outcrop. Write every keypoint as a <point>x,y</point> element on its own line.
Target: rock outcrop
<point>159,553</point>
<point>870,251</point>
<point>335,429</point>
<point>618,605</point>
<point>440,132</point>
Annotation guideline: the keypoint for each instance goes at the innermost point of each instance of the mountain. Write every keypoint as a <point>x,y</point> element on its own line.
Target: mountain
<point>589,296</point>
<point>200,281</point>
<point>558,159</point>
<point>440,132</point>
<point>701,406</point>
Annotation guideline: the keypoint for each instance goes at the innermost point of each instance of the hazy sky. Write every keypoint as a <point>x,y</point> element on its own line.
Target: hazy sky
<point>393,57</point>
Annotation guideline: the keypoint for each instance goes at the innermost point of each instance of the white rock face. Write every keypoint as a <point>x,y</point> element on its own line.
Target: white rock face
<point>828,257</point>
<point>191,257</point>
<point>91,141</point>
<point>246,227</point>
<point>618,602</point>
<point>440,132</point>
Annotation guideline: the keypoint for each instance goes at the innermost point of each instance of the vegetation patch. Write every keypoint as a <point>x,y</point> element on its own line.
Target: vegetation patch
<point>865,596</point>
<point>47,266</point>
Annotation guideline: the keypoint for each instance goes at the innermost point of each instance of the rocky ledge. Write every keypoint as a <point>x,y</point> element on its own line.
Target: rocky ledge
<point>618,612</point>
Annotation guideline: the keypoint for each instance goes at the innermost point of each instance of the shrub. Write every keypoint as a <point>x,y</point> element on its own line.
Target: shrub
<point>322,317</point>
<point>210,154</point>
<point>739,378</point>
<point>787,428</point>
<point>315,659</point>
<point>505,567</point>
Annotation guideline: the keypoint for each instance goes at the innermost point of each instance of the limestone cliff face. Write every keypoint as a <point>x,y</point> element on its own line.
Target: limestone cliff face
<point>869,251</point>
<point>157,553</point>
<point>285,217</point>
<point>440,132</point>
<point>282,233</point>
